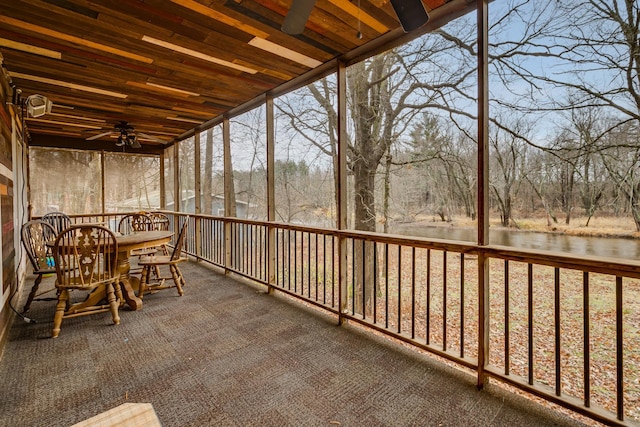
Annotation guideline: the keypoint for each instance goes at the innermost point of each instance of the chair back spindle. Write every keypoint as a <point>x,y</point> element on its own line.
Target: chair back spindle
<point>58,220</point>
<point>135,222</point>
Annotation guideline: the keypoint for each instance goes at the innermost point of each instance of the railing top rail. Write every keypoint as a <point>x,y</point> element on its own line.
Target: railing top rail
<point>615,266</point>
<point>596,264</point>
<point>83,215</point>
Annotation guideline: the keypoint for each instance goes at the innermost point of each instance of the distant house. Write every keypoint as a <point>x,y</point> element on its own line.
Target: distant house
<point>187,204</point>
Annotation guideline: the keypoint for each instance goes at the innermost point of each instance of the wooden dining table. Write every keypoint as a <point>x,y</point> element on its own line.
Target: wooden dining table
<point>128,284</point>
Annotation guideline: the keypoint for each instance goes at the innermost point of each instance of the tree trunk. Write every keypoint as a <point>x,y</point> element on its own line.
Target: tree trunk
<point>365,220</point>
<point>387,190</point>
<point>364,202</point>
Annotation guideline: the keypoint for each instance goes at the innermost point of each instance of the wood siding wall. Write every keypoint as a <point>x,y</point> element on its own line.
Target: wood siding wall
<point>7,246</point>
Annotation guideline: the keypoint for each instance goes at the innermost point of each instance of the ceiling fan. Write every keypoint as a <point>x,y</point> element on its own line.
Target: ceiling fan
<point>127,135</point>
<point>411,14</point>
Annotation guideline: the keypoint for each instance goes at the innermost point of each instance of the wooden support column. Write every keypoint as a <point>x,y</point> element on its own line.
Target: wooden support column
<point>229,198</point>
<point>271,206</point>
<point>342,189</point>
<point>176,177</point>
<point>102,182</point>
<point>163,196</point>
<point>198,193</point>
<point>483,189</point>
<point>197,178</point>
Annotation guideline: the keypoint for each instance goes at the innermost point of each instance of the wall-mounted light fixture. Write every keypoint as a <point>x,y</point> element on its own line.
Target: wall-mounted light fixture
<point>16,97</point>
<point>38,105</point>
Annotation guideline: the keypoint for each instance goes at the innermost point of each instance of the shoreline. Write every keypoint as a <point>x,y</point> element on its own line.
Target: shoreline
<point>612,227</point>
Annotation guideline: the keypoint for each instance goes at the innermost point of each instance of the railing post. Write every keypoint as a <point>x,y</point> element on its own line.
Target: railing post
<point>229,194</point>
<point>483,190</point>
<point>198,195</point>
<point>271,208</point>
<point>341,202</point>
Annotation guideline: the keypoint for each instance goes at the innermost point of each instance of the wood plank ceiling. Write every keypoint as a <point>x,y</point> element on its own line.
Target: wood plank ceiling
<point>166,66</point>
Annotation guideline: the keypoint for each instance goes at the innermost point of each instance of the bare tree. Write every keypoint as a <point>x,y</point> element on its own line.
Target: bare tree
<point>622,161</point>
<point>508,157</point>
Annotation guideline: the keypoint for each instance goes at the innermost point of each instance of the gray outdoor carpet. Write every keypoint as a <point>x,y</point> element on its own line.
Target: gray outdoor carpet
<point>227,354</point>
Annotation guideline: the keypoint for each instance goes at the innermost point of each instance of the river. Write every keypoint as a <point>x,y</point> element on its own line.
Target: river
<point>615,247</point>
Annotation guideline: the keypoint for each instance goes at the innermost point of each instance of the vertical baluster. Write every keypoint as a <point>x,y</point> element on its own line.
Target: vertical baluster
<point>249,248</point>
<point>261,259</point>
<point>375,282</point>
<point>242,247</point>
<point>253,250</point>
<point>302,233</point>
<point>413,292</point>
<point>216,242</point>
<point>232,242</point>
<point>619,350</point>
<point>302,268</point>
<point>364,275</point>
<point>353,276</point>
<point>333,271</point>
<point>587,346</point>
<point>324,268</point>
<point>221,244</point>
<point>276,247</point>
<point>309,265</point>
<point>428,302</point>
<point>530,318</point>
<point>558,341</point>
<point>399,288</point>
<point>461,305</point>
<point>289,244</point>
<point>295,261</point>
<point>234,245</point>
<point>316,265</point>
<point>444,301</point>
<point>238,248</point>
<point>507,327</point>
<point>386,285</point>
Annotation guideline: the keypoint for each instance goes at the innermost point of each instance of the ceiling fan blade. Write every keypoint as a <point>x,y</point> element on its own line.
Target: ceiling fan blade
<point>152,138</point>
<point>411,14</point>
<point>135,143</point>
<point>100,135</point>
<point>296,19</point>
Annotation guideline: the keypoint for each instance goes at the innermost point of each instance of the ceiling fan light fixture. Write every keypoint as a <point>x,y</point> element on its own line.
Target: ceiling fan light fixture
<point>411,14</point>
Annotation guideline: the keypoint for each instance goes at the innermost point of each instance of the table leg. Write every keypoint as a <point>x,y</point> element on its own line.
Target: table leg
<point>125,282</point>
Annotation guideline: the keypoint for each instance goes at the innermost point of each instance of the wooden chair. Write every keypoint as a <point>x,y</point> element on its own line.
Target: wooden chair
<point>86,259</point>
<point>135,222</point>
<point>34,235</point>
<point>149,262</point>
<point>160,222</point>
<point>58,220</point>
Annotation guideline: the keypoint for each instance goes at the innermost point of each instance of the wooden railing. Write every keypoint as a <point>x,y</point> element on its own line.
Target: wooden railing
<point>561,327</point>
